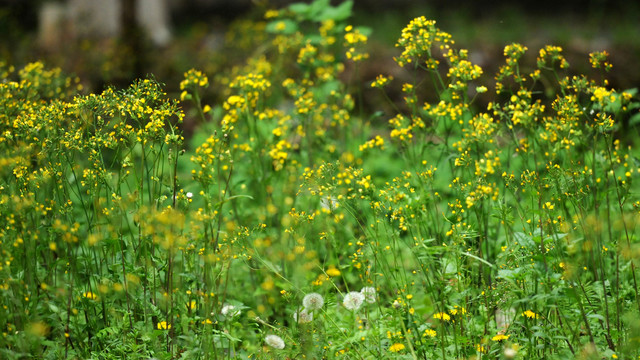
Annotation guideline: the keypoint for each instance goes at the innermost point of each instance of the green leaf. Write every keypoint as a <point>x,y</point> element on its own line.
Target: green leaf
<point>365,30</point>
<point>510,274</point>
<point>596,316</point>
<point>299,8</point>
<point>338,13</point>
<point>316,8</point>
<point>285,26</point>
<point>477,258</point>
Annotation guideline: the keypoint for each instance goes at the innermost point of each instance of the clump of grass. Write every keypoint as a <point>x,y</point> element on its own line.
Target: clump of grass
<point>290,226</point>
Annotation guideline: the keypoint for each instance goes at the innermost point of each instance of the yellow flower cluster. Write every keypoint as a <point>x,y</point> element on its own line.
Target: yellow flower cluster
<point>279,153</point>
<point>193,79</point>
<point>442,316</point>
<point>598,60</point>
<point>381,81</point>
<point>549,56</point>
<point>377,142</point>
<point>417,39</point>
<point>354,40</point>
<point>397,347</point>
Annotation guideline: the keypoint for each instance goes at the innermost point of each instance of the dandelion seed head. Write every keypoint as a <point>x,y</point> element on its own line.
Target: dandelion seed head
<point>274,341</point>
<point>353,300</point>
<point>302,316</point>
<point>313,301</point>
<point>510,353</point>
<point>369,293</point>
<point>229,310</point>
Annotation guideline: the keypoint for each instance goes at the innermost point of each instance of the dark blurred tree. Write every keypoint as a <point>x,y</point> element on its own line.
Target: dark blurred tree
<point>132,38</point>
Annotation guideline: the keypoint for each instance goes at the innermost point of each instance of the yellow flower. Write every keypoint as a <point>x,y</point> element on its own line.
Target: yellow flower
<point>162,325</point>
<point>396,347</point>
<point>332,271</point>
<point>381,81</point>
<point>89,295</point>
<point>500,337</point>
<point>442,316</point>
<point>430,333</point>
<point>530,314</point>
<point>270,14</point>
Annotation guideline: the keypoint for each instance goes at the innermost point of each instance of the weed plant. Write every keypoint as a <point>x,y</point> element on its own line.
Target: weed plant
<point>293,225</point>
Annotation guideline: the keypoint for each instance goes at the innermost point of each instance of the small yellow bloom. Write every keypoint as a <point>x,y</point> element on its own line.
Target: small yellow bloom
<point>162,325</point>
<point>270,14</point>
<point>442,316</point>
<point>530,314</point>
<point>500,337</point>
<point>396,347</point>
<point>430,333</point>
<point>89,295</point>
<point>332,271</point>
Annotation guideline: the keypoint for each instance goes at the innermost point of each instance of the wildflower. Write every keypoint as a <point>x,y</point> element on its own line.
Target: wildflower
<point>396,347</point>
<point>274,341</point>
<point>530,314</point>
<point>442,316</point>
<point>598,60</point>
<point>229,310</point>
<point>302,316</point>
<point>381,81</point>
<point>430,333</point>
<point>551,55</point>
<point>162,325</point>
<point>332,271</point>
<point>89,295</point>
<point>369,293</point>
<point>313,301</point>
<point>270,14</point>
<point>500,337</point>
<point>193,78</point>
<point>353,300</point>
